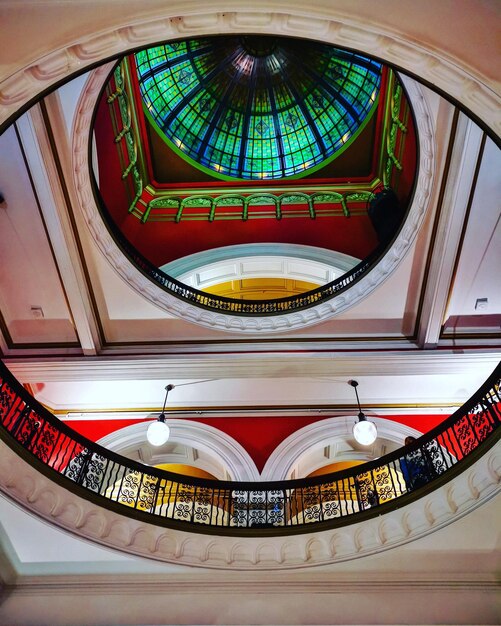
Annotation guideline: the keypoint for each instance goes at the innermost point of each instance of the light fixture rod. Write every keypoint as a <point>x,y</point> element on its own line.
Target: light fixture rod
<point>167,389</point>
<point>158,431</point>
<point>354,384</point>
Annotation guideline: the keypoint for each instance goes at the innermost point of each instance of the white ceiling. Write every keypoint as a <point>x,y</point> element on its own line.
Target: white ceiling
<point>481,249</point>
<point>30,287</point>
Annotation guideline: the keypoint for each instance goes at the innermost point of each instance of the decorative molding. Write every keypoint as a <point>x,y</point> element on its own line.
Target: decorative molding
<point>438,66</point>
<point>265,361</point>
<point>325,265</point>
<point>35,492</point>
<point>241,324</point>
<point>151,584</point>
<point>226,450</point>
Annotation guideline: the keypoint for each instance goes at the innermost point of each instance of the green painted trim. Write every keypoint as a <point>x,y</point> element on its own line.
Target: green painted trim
<point>238,191</point>
<point>384,130</point>
<point>276,202</point>
<point>135,125</point>
<point>127,133</point>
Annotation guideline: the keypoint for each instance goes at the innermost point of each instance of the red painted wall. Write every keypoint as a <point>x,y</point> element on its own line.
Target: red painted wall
<point>162,242</point>
<point>258,435</point>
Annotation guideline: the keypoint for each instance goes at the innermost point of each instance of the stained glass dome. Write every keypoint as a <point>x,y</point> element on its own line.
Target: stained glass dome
<point>257,107</point>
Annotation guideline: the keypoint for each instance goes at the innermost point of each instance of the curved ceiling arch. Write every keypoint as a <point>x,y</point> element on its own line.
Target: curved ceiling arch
<point>225,452</point>
<point>299,448</point>
<point>260,261</point>
<point>435,56</point>
<point>337,261</point>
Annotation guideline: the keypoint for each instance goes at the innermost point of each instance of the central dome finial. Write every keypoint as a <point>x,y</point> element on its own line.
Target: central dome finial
<point>259,45</point>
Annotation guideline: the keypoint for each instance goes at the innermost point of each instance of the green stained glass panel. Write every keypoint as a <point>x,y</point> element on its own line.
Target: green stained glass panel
<point>255,107</point>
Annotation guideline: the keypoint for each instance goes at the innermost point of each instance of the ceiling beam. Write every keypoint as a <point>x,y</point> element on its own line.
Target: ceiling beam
<point>455,196</point>
<point>53,204</point>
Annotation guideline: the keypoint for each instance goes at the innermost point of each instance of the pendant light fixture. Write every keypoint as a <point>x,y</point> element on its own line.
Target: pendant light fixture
<point>365,432</point>
<point>158,432</point>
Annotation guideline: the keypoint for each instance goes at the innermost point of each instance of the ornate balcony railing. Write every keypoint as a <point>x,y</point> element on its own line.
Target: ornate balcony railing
<point>233,306</point>
<point>247,509</point>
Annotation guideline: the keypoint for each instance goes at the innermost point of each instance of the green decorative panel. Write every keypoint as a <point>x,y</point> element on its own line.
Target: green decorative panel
<point>257,107</point>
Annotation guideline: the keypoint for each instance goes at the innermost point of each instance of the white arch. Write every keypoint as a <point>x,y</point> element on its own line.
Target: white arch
<point>286,456</point>
<point>430,54</point>
<point>260,260</point>
<point>213,441</point>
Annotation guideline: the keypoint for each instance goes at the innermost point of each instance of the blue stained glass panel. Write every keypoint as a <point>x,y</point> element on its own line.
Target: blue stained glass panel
<point>255,107</point>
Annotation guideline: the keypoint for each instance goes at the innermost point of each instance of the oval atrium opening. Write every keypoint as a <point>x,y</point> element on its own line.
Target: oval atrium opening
<point>253,174</point>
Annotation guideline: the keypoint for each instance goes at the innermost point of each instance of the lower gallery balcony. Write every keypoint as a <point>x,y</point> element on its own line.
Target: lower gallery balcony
<point>323,500</point>
<point>145,503</point>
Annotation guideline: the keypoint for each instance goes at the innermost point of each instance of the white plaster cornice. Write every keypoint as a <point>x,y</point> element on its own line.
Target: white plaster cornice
<point>152,584</point>
<point>74,51</point>
<point>252,325</point>
<point>254,365</point>
<point>35,492</point>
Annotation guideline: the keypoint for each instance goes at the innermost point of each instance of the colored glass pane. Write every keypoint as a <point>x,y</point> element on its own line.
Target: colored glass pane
<point>257,107</point>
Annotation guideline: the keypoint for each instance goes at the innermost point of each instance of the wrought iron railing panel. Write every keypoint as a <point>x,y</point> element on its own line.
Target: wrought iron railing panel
<point>225,507</point>
<point>231,305</point>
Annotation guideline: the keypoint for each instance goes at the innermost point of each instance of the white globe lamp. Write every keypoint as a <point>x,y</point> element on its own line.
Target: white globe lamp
<point>365,432</point>
<point>158,432</point>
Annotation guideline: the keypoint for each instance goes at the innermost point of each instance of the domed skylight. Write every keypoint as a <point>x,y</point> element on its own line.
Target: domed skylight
<point>257,107</point>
